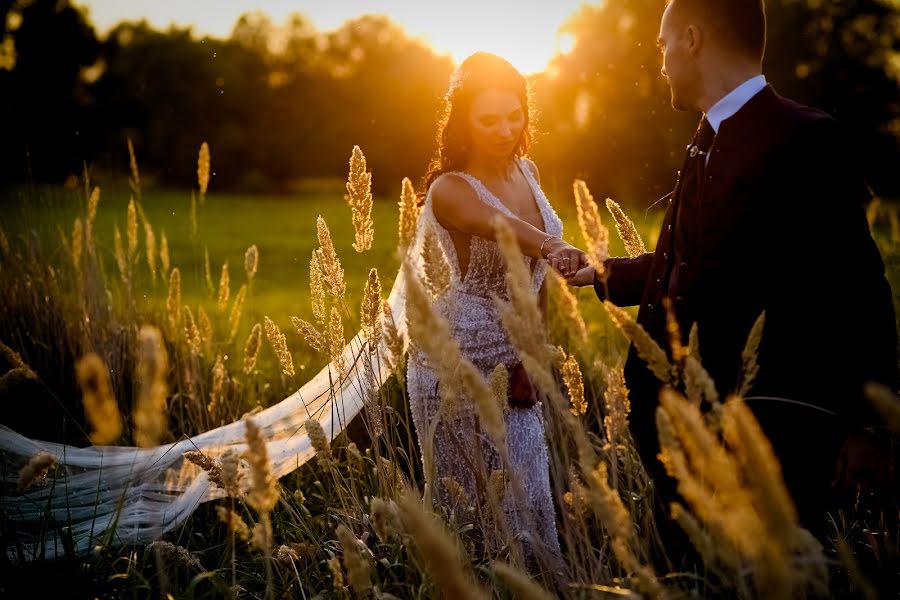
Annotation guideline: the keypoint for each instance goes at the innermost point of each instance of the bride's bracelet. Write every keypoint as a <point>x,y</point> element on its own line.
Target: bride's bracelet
<point>547,239</point>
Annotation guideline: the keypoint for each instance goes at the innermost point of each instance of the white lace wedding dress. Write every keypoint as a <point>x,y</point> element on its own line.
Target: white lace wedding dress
<point>476,326</point>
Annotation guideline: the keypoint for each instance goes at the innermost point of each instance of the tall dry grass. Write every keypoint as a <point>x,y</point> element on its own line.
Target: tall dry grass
<point>352,523</point>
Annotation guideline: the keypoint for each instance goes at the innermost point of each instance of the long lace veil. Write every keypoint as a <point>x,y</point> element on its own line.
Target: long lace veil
<point>137,494</point>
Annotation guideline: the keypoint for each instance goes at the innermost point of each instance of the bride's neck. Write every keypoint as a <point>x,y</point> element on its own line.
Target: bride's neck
<point>491,166</point>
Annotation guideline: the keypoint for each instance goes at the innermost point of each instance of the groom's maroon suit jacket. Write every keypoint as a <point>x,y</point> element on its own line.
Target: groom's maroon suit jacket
<point>779,226</point>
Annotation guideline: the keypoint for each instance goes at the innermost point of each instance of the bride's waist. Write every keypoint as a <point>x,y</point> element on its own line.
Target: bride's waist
<point>476,296</point>
<point>472,319</point>
<point>466,310</point>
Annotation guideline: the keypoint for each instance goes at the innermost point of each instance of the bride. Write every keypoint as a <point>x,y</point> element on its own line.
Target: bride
<point>480,175</point>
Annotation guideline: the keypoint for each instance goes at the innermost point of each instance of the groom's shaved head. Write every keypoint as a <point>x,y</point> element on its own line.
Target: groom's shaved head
<point>738,24</point>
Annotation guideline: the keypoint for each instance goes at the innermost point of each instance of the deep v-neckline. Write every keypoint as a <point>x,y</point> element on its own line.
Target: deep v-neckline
<point>505,208</point>
<point>533,263</point>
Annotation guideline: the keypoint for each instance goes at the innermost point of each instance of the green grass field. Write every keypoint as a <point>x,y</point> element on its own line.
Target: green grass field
<point>282,227</point>
<point>284,230</point>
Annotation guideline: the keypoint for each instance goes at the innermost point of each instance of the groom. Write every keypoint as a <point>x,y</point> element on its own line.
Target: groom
<point>767,215</point>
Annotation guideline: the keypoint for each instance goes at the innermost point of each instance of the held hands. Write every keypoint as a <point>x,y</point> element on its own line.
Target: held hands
<point>583,277</point>
<point>565,258</point>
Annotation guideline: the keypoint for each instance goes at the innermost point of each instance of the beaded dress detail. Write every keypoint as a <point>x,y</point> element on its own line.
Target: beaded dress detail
<point>476,325</point>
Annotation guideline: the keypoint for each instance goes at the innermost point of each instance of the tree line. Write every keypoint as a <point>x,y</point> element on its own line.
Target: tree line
<point>282,103</point>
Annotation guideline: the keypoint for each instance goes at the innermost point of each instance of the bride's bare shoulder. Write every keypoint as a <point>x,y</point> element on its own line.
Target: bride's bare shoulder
<point>450,192</point>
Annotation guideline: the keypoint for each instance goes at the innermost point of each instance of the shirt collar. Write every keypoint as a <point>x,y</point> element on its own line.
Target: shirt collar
<point>734,101</point>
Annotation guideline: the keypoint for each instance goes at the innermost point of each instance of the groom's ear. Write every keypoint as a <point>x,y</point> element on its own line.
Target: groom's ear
<point>695,39</point>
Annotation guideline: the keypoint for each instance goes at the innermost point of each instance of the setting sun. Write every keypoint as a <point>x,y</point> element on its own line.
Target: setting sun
<point>526,35</point>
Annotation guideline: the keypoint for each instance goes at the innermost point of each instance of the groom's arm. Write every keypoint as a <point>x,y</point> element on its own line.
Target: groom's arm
<point>624,280</point>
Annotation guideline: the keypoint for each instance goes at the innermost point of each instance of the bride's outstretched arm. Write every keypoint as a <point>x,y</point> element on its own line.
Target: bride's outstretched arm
<point>457,207</point>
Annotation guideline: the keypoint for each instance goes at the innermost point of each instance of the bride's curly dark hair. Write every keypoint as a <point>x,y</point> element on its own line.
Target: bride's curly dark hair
<point>479,72</point>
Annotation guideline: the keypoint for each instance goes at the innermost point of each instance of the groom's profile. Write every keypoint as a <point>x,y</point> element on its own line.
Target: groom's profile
<point>768,215</point>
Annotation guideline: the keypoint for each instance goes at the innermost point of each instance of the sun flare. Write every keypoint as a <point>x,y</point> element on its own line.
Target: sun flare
<point>526,34</point>
<point>527,37</point>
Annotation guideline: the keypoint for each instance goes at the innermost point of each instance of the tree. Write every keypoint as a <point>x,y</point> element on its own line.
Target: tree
<point>169,92</point>
<point>842,57</point>
<point>44,105</point>
<point>604,107</point>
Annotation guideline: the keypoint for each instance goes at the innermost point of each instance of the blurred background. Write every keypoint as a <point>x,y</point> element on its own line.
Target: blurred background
<point>282,91</point>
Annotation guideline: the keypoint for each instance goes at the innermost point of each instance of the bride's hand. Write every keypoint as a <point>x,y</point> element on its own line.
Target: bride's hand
<point>565,258</point>
<point>582,278</point>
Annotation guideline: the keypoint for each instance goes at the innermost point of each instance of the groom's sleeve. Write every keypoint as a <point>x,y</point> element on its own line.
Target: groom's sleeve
<point>625,280</point>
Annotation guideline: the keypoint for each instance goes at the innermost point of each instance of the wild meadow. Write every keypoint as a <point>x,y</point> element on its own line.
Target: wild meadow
<point>239,291</point>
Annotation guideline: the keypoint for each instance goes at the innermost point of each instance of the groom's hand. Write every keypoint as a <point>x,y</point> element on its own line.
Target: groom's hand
<point>565,258</point>
<point>583,277</point>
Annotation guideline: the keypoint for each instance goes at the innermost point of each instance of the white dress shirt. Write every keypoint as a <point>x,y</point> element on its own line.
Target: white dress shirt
<point>734,101</point>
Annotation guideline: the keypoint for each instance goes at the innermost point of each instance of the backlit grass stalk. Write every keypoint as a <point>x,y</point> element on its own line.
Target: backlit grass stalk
<point>251,262</point>
<point>572,377</point>
<point>237,310</point>
<point>173,300</point>
<point>317,288</point>
<point>595,234</point>
<point>646,346</point>
<point>332,271</point>
<point>359,197</point>
<point>203,170</point>
<point>370,312</point>
<point>279,345</point>
<point>150,410</point>
<point>263,494</point>
<point>634,245</point>
<point>750,355</point>
<point>409,216</point>
<point>567,307</point>
<point>164,255</point>
<point>224,288</point>
<point>35,470</point>
<point>435,266</point>
<point>336,343</point>
<point>251,348</point>
<point>135,181</point>
<point>359,568</point>
<point>100,404</point>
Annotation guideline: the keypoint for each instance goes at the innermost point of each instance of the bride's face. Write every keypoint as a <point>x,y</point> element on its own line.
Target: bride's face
<point>496,123</point>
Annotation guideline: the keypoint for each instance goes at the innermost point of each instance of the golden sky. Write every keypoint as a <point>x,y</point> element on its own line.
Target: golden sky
<point>523,31</point>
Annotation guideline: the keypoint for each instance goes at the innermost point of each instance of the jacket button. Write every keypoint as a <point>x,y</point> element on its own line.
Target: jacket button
<point>669,227</point>
<point>666,255</point>
<point>649,306</point>
<point>684,265</point>
<point>659,282</point>
<point>679,299</point>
